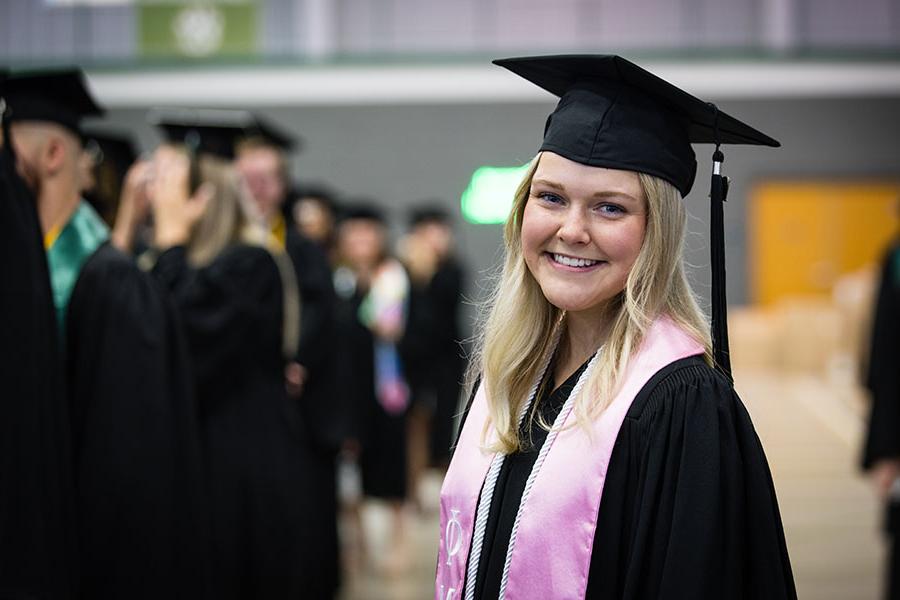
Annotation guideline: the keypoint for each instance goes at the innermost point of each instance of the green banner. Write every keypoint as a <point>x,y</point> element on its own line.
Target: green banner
<point>197,29</point>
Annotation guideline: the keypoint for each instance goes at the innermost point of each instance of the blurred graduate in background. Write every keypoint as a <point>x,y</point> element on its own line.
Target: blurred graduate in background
<point>881,455</point>
<point>37,527</point>
<point>106,157</point>
<point>373,288</point>
<point>430,347</point>
<point>237,293</point>
<point>313,209</point>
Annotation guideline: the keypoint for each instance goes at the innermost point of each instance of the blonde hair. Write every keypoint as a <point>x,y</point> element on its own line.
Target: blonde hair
<point>519,324</point>
<point>227,221</point>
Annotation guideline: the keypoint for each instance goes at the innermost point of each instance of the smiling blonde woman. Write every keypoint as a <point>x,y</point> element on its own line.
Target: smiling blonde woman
<point>604,452</point>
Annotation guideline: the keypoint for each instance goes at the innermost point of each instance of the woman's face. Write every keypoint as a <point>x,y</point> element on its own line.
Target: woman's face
<point>361,243</point>
<point>582,230</point>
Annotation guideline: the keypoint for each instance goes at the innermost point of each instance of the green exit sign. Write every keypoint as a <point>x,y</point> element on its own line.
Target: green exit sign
<point>490,194</point>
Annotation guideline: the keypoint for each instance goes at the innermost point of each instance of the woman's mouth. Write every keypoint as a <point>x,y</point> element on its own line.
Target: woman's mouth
<point>572,262</point>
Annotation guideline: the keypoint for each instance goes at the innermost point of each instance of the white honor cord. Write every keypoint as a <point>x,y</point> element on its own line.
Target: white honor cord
<point>487,490</point>
<point>545,448</point>
<point>490,482</point>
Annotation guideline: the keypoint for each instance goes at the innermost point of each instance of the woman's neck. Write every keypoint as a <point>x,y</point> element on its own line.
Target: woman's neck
<point>582,336</point>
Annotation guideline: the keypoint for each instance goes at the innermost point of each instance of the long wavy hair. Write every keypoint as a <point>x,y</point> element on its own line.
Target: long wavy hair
<point>518,325</point>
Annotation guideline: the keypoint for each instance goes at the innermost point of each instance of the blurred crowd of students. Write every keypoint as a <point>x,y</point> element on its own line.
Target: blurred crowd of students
<point>198,345</point>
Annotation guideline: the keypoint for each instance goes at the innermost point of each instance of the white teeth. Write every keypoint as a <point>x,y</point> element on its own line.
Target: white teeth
<point>573,262</point>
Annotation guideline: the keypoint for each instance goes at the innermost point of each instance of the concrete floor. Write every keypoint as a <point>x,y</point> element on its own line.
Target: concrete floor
<point>810,428</point>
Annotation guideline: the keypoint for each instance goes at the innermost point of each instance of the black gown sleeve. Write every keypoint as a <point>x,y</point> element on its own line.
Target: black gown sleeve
<point>883,378</point>
<point>689,508</point>
<point>317,350</point>
<point>141,501</point>
<point>431,325</point>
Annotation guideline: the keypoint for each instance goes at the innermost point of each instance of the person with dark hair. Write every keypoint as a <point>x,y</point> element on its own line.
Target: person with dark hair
<point>430,346</point>
<point>372,289</point>
<point>140,502</point>
<point>105,160</point>
<point>881,454</point>
<point>604,452</point>
<point>313,211</point>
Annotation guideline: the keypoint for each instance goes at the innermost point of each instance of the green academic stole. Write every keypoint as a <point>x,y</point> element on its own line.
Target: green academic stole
<point>66,254</point>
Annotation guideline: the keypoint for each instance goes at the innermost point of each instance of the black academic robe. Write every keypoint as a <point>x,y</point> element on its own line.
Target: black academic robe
<point>141,500</point>
<point>258,452</point>
<point>322,413</point>
<point>381,435</point>
<point>883,382</point>
<point>883,377</point>
<point>432,356</point>
<point>36,493</point>
<point>688,507</point>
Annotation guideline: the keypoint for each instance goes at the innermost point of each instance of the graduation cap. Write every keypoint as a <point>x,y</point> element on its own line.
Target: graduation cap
<point>113,153</point>
<point>218,132</point>
<point>58,96</point>
<point>428,213</point>
<point>614,114</point>
<point>363,211</point>
<point>320,193</point>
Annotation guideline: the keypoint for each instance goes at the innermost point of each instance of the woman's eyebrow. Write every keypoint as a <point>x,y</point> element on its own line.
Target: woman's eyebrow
<point>548,183</point>
<point>614,194</point>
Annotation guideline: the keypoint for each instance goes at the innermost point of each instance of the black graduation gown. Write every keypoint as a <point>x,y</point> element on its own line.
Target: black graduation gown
<point>321,411</point>
<point>381,435</point>
<point>883,382</point>
<point>432,357</point>
<point>688,508</point>
<point>257,452</point>
<point>883,377</point>
<point>141,500</point>
<point>36,493</point>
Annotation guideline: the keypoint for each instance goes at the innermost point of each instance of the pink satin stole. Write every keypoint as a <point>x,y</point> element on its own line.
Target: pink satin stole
<point>552,552</point>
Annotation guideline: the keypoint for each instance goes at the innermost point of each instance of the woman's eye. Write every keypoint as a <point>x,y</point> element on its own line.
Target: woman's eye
<point>549,197</point>
<point>611,210</point>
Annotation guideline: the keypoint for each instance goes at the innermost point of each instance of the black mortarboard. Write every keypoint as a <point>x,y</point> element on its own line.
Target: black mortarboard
<point>361,210</point>
<point>320,192</point>
<point>218,132</point>
<point>614,114</point>
<point>59,96</point>
<point>428,213</point>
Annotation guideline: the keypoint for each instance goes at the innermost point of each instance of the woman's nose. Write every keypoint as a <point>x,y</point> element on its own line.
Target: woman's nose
<point>574,228</point>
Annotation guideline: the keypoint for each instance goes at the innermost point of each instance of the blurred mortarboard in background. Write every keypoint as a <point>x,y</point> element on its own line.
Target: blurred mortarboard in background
<point>219,132</point>
<point>362,210</point>
<point>614,114</point>
<point>430,211</point>
<point>113,153</point>
<point>59,96</point>
<point>320,192</point>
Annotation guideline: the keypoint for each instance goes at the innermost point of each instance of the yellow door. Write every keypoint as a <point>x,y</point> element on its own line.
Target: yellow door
<point>805,234</point>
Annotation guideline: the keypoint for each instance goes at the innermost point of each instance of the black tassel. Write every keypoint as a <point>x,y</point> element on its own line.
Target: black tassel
<point>717,195</point>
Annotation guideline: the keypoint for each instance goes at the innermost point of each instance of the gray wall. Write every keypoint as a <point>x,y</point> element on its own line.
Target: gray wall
<point>399,155</point>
